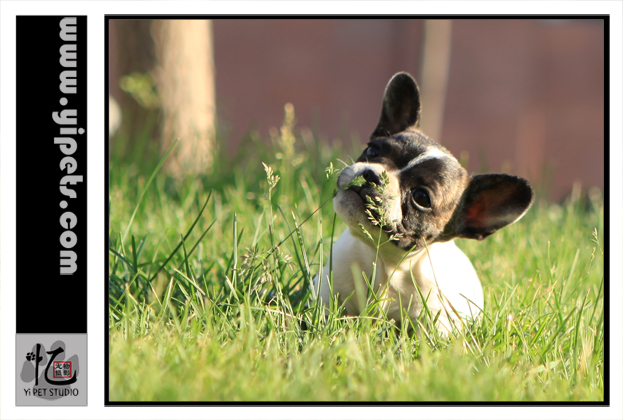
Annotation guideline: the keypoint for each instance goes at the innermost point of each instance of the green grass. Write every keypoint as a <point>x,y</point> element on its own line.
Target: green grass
<point>190,258</point>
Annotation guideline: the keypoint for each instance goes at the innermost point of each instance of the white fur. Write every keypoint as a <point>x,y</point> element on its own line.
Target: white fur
<point>443,274</point>
<point>431,153</point>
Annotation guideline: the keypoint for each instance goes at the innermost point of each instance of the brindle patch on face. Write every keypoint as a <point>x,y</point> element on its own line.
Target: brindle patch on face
<point>439,174</point>
<point>444,179</point>
<point>397,151</point>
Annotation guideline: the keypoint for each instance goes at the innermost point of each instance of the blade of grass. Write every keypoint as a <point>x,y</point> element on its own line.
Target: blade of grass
<point>182,241</point>
<point>140,199</point>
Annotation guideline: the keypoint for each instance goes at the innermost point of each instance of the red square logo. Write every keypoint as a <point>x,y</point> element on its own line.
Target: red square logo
<point>62,370</point>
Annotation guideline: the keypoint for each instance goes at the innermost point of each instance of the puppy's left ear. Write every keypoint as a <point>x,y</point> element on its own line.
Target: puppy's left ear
<point>401,106</point>
<point>489,203</point>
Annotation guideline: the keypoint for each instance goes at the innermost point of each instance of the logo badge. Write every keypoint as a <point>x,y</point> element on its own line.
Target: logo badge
<point>49,370</point>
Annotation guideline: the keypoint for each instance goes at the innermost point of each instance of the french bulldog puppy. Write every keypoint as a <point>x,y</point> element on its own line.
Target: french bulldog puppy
<point>413,192</point>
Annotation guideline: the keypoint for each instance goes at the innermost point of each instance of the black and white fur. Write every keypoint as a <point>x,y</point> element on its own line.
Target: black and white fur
<point>430,200</point>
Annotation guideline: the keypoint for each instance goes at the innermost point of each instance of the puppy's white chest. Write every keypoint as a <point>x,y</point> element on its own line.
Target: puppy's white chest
<point>443,276</point>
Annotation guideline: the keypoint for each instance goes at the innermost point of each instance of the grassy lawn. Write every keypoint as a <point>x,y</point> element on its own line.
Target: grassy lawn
<point>190,259</point>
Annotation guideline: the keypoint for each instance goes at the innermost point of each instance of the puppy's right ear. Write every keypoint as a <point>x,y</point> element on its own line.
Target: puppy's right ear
<point>401,106</point>
<point>490,202</point>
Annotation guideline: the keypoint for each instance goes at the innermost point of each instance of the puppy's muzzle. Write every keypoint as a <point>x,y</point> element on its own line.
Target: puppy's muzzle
<point>371,173</point>
<point>372,177</point>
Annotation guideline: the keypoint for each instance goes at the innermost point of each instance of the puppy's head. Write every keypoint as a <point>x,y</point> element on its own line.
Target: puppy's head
<point>408,186</point>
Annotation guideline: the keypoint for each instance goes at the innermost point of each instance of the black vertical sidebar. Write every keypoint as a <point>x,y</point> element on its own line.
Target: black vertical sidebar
<point>51,200</point>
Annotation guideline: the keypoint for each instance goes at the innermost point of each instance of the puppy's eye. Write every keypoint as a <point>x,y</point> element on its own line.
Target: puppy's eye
<point>421,198</point>
<point>372,152</point>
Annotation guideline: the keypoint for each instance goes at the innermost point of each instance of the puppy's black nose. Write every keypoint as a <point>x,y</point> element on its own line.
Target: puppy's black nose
<point>371,176</point>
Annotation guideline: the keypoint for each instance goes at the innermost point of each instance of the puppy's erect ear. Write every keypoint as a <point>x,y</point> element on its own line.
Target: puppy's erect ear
<point>489,203</point>
<point>401,106</point>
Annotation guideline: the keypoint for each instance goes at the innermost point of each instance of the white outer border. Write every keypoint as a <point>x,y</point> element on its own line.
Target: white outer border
<point>96,182</point>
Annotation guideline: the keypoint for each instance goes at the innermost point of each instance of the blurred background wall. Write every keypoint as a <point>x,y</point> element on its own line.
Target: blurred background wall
<point>520,96</point>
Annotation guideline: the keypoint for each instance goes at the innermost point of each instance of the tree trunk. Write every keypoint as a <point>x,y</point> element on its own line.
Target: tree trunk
<point>435,70</point>
<point>184,76</point>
